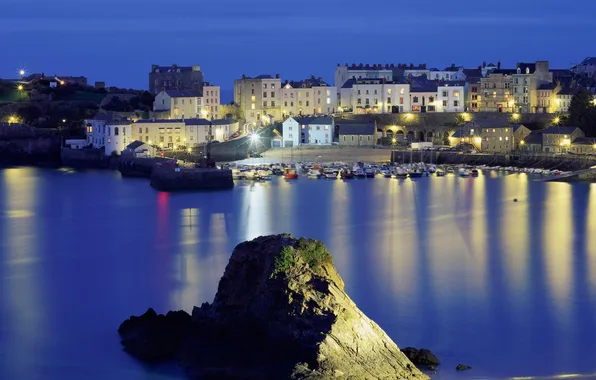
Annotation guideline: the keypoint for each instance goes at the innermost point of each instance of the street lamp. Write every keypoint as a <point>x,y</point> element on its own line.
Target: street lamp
<point>22,72</point>
<point>556,120</point>
<point>20,87</point>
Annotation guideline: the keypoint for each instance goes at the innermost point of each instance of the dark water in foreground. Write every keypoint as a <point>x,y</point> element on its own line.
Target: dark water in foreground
<point>451,264</point>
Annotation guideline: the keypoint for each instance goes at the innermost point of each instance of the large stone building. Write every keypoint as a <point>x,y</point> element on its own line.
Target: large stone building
<point>308,97</point>
<point>356,133</point>
<point>451,96</point>
<point>110,133</point>
<point>259,98</point>
<point>161,78</point>
<point>376,95</point>
<point>526,80</point>
<point>563,99</point>
<point>587,68</point>
<point>496,91</point>
<point>558,139</point>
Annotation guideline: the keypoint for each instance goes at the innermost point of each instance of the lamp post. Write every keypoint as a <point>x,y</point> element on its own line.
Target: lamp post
<point>393,142</point>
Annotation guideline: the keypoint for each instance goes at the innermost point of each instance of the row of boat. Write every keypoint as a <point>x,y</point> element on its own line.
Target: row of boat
<point>343,171</point>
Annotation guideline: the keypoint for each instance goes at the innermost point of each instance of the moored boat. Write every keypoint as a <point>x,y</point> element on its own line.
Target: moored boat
<point>474,172</point>
<point>463,172</point>
<point>346,174</point>
<point>290,173</point>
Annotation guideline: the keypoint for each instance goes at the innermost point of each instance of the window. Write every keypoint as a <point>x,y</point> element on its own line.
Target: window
<point>318,101</point>
<point>455,103</point>
<point>456,93</point>
<point>272,94</point>
<point>367,101</point>
<point>500,138</point>
<point>388,100</point>
<point>140,129</point>
<point>300,102</point>
<point>273,86</point>
<point>182,101</point>
<point>252,91</point>
<point>109,140</point>
<point>431,99</point>
<point>264,94</point>
<point>445,94</point>
<point>326,127</point>
<point>307,103</point>
<point>359,101</point>
<point>265,104</point>
<point>415,100</point>
<point>252,106</point>
<point>375,92</point>
<point>285,104</point>
<point>318,127</point>
<point>401,100</point>
<point>366,92</point>
<point>506,138</point>
<point>358,92</point>
<point>388,91</point>
<point>444,103</point>
<point>272,103</point>
<point>161,138</point>
<point>264,85</point>
<point>376,101</point>
<point>147,130</point>
<point>291,104</point>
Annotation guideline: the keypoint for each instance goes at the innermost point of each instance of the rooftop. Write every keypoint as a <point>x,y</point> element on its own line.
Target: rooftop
<point>547,86</point>
<point>135,144</point>
<point>355,127</point>
<point>183,93</point>
<point>320,120</point>
<point>498,122</point>
<point>559,130</point>
<point>171,69</point>
<point>535,137</point>
<point>585,140</point>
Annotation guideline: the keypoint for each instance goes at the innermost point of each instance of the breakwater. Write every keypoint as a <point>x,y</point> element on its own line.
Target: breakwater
<point>169,178</point>
<point>563,163</point>
<point>23,145</point>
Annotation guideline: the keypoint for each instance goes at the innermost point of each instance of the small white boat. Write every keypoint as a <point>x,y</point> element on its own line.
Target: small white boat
<point>330,174</point>
<point>401,172</point>
<point>314,174</point>
<point>463,172</point>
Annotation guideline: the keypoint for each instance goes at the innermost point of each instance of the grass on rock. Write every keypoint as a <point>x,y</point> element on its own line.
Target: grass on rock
<point>307,251</point>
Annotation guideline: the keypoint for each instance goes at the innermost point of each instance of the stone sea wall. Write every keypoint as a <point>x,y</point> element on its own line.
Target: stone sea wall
<point>566,163</point>
<point>167,178</point>
<point>22,145</point>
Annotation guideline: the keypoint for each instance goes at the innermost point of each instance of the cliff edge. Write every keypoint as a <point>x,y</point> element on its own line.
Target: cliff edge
<point>280,312</point>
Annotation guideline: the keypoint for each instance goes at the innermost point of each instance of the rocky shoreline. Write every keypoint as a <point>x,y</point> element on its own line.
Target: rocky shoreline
<point>280,312</point>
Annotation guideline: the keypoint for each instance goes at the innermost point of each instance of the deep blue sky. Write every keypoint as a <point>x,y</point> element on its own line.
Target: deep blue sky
<point>118,40</point>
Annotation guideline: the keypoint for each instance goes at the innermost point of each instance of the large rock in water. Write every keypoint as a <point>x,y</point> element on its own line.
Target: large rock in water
<point>280,312</point>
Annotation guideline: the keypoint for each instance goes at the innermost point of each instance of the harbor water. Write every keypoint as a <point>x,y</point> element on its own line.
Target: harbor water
<point>446,263</point>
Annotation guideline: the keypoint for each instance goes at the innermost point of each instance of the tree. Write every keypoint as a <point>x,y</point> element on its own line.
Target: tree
<point>30,114</point>
<point>582,112</point>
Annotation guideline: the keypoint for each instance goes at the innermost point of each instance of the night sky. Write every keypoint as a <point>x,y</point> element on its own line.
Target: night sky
<point>117,40</point>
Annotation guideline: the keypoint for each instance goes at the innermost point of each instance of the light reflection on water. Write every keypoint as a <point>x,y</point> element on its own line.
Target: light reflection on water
<point>447,263</point>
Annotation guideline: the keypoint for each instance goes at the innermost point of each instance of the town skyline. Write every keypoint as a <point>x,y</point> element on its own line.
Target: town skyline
<point>254,39</point>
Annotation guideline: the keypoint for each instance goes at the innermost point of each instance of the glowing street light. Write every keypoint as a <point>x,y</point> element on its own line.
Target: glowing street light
<point>522,142</point>
<point>556,120</point>
<point>20,87</point>
<point>22,72</point>
<point>254,137</point>
<point>393,140</point>
<point>189,150</point>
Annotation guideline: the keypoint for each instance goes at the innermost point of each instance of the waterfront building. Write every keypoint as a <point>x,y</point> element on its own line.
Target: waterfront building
<point>563,99</point>
<point>497,135</point>
<point>451,96</point>
<point>583,145</point>
<point>259,98</point>
<point>109,133</point>
<point>210,101</point>
<point>308,97</point>
<point>525,81</point>
<point>139,149</point>
<point>174,133</point>
<point>378,95</point>
<point>163,78</point>
<point>532,143</point>
<point>558,139</point>
<point>308,130</point>
<point>496,91</point>
<point>423,95</point>
<point>356,133</point>
<point>547,98</point>
<point>472,94</point>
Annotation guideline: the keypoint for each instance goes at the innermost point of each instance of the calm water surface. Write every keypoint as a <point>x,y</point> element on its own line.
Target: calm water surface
<point>449,263</point>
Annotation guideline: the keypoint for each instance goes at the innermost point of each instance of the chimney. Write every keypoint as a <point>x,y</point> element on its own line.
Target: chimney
<point>484,64</point>
<point>423,65</point>
<point>243,76</point>
<point>499,65</point>
<point>276,76</point>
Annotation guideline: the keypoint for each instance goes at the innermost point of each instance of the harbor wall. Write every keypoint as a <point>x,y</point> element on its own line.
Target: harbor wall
<point>23,145</point>
<point>166,178</point>
<point>565,163</point>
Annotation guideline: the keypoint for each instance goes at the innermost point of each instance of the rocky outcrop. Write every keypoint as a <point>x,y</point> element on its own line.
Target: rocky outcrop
<point>280,312</point>
<point>422,357</point>
<point>462,367</point>
<point>168,178</point>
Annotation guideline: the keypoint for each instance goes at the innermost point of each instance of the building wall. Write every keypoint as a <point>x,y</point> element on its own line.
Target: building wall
<point>291,132</point>
<point>111,137</point>
<point>450,99</point>
<point>474,97</point>
<point>559,143</point>
<point>162,102</point>
<point>184,107</point>
<point>423,99</point>
<point>169,134</point>
<point>320,134</point>
<point>447,75</point>
<point>496,93</point>
<point>546,101</point>
<point>258,98</point>
<point>210,103</point>
<point>176,79</point>
<point>379,97</point>
<point>562,102</point>
<point>583,148</point>
<point>497,140</point>
<point>357,140</point>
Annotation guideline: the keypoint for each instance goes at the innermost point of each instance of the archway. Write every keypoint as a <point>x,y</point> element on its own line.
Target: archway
<point>410,136</point>
<point>400,135</point>
<point>421,136</point>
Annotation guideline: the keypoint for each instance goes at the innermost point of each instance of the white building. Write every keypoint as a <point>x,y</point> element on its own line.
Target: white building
<point>451,96</point>
<point>113,135</point>
<point>377,96</point>
<point>258,98</point>
<point>308,97</point>
<point>173,133</point>
<point>308,131</point>
<point>448,74</point>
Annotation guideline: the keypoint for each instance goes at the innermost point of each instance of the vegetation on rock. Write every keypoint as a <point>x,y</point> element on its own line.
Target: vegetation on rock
<point>305,251</point>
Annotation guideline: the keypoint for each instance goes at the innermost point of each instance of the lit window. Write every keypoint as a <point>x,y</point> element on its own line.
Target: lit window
<point>389,91</point>
<point>109,140</point>
<point>326,127</point>
<point>500,138</point>
<point>506,138</point>
<point>493,130</point>
<point>252,106</point>
<point>455,93</point>
<point>328,100</point>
